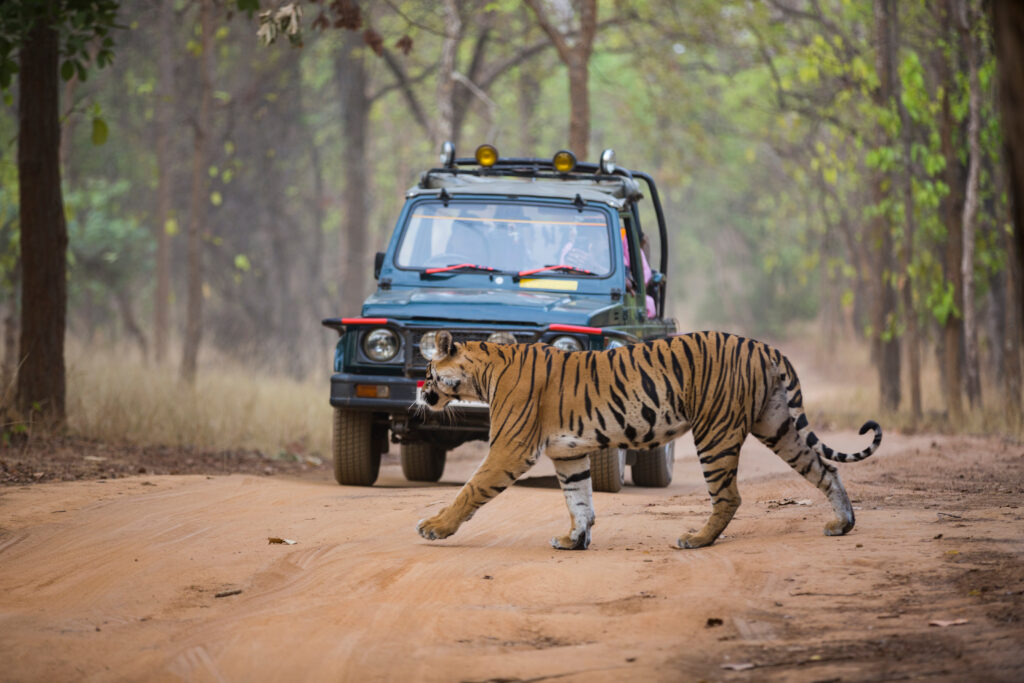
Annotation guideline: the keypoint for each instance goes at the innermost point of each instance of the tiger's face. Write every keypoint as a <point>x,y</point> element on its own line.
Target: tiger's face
<point>449,376</point>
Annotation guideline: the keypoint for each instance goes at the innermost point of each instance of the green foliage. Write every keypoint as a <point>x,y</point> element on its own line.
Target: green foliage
<point>82,24</point>
<point>108,248</point>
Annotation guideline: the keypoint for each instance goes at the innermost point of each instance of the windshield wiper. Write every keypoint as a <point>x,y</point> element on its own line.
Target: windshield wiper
<point>461,266</point>
<point>561,267</point>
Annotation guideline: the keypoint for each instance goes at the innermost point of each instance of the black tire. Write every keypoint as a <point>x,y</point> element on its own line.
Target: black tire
<point>608,469</point>
<point>654,467</point>
<point>422,461</point>
<point>356,461</point>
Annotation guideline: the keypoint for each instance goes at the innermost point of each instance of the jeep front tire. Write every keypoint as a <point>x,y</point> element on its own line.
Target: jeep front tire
<point>356,461</point>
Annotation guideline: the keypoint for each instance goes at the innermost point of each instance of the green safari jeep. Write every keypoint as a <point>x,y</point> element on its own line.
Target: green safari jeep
<point>505,250</point>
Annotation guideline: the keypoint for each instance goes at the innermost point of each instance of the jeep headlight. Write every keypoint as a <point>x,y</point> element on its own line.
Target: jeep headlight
<point>502,338</point>
<point>380,345</point>
<point>567,343</point>
<point>428,345</point>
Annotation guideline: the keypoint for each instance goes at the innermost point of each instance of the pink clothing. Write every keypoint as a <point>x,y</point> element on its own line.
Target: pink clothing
<point>652,310</point>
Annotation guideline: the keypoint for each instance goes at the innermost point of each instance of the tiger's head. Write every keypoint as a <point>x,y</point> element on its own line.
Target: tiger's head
<point>450,375</point>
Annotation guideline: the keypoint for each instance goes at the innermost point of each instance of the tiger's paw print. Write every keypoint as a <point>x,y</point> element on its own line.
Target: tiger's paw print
<point>436,528</point>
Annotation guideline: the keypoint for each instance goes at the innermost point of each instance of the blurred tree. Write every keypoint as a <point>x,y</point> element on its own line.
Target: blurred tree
<point>163,226</point>
<point>574,44</point>
<point>1007,17</point>
<point>199,202</point>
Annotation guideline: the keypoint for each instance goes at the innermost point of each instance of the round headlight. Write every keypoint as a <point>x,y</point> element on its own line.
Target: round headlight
<point>564,161</point>
<point>614,343</point>
<point>428,345</point>
<point>381,345</point>
<point>448,154</point>
<point>608,162</point>
<point>567,343</point>
<point>502,338</point>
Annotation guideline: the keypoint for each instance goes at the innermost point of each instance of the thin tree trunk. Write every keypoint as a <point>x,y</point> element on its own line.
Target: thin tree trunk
<point>446,69</point>
<point>952,206</point>
<point>579,103</point>
<point>124,305</point>
<point>966,20</point>
<point>44,235</point>
<point>952,327</point>
<point>351,80</point>
<point>885,307</point>
<point>905,179</point>
<point>198,204</point>
<point>164,121</point>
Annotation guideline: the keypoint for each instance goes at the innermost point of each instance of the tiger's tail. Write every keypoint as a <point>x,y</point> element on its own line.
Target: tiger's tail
<point>795,400</point>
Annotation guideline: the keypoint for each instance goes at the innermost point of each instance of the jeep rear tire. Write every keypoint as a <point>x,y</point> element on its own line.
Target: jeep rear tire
<point>608,469</point>
<point>422,461</point>
<point>654,467</point>
<point>356,461</point>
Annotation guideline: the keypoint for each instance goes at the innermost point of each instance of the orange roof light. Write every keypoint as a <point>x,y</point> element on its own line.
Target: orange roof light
<point>564,161</point>
<point>486,155</point>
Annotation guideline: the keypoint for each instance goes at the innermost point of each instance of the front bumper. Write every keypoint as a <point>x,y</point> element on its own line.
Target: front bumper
<point>400,399</point>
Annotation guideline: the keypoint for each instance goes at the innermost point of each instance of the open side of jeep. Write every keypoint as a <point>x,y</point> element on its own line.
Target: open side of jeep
<point>504,250</point>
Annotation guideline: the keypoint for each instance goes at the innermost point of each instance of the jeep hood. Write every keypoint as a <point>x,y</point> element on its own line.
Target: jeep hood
<point>488,305</point>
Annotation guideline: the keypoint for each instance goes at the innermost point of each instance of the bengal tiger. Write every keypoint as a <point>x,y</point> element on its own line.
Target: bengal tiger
<point>565,405</point>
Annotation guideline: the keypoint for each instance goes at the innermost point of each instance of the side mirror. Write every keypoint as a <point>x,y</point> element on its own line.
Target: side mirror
<point>378,263</point>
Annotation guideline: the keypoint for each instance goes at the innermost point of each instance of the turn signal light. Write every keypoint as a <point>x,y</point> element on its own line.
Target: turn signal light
<point>373,390</point>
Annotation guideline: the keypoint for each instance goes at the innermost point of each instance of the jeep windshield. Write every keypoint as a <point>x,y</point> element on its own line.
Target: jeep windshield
<point>482,237</point>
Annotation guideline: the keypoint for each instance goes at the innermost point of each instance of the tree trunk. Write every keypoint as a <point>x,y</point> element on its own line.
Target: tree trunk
<point>199,200</point>
<point>952,206</point>
<point>446,69</point>
<point>351,80</point>
<point>579,103</point>
<point>576,58</point>
<point>885,306</point>
<point>44,234</point>
<point>1008,26</point>
<point>905,180</point>
<point>164,122</point>
<point>973,383</point>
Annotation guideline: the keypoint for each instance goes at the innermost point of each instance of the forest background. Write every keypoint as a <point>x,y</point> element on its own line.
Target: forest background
<point>833,170</point>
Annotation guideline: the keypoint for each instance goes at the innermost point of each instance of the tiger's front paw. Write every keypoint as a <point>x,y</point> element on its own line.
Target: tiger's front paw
<point>436,528</point>
<point>574,541</point>
<point>689,541</point>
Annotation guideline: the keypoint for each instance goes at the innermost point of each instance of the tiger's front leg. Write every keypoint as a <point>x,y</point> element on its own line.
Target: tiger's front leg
<point>574,478</point>
<point>498,471</point>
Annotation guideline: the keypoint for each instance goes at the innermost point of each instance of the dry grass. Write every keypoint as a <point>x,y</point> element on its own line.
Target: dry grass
<point>840,388</point>
<point>114,397</point>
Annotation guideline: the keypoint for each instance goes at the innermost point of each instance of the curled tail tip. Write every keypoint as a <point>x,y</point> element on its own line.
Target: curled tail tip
<point>871,425</point>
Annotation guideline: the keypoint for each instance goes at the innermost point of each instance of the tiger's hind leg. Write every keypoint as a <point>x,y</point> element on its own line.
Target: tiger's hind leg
<point>574,478</point>
<point>775,429</point>
<point>719,458</point>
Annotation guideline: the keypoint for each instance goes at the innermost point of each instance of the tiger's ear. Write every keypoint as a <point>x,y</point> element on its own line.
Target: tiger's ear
<point>445,345</point>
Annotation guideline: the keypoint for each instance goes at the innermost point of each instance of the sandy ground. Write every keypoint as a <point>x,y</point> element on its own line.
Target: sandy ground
<point>172,577</point>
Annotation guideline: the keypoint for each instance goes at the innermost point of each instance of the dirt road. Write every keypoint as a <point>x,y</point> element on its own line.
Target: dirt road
<point>172,577</point>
